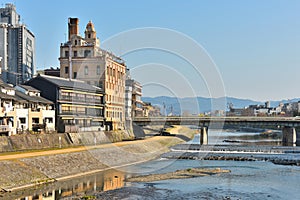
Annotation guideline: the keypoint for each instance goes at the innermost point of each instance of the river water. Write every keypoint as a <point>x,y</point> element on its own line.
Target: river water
<point>247,180</point>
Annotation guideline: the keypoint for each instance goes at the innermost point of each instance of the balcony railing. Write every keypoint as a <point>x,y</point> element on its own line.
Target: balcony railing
<point>82,100</point>
<point>35,109</point>
<point>4,128</point>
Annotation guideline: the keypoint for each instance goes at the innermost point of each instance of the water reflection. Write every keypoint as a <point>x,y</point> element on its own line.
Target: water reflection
<point>219,137</point>
<point>104,181</point>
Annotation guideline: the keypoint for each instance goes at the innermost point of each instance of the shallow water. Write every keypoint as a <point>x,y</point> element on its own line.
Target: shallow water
<point>247,180</point>
<point>216,137</point>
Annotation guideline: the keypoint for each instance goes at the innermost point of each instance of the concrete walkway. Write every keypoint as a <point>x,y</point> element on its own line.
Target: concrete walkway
<point>20,155</point>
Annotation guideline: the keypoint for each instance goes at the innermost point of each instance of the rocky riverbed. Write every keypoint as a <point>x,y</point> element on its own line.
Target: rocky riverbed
<point>179,174</point>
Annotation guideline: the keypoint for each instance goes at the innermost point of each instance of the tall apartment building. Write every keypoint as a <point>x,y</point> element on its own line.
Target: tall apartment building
<point>17,47</point>
<point>82,58</point>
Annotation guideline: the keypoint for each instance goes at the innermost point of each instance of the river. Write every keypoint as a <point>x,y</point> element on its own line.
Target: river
<point>247,180</point>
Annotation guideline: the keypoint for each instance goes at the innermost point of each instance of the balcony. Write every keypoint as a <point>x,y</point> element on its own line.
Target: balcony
<point>35,109</point>
<point>4,128</point>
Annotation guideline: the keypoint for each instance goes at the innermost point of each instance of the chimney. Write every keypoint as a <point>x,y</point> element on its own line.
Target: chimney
<point>73,27</point>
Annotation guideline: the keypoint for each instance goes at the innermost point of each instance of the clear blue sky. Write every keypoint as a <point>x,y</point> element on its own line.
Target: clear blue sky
<point>255,44</point>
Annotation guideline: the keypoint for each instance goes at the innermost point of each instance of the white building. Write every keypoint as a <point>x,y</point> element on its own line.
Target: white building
<point>128,106</point>
<point>23,109</point>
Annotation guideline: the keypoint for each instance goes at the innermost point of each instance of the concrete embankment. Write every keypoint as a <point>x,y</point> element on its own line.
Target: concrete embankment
<point>29,171</point>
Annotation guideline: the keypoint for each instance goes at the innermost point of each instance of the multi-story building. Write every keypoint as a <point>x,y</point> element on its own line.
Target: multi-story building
<point>22,108</point>
<point>150,111</point>
<point>40,114</point>
<point>17,47</point>
<point>128,106</point>
<point>79,106</point>
<point>50,71</point>
<point>136,98</point>
<point>82,58</point>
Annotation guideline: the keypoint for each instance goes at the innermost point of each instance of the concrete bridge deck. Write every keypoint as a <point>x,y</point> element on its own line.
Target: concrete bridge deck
<point>287,124</point>
<point>206,121</point>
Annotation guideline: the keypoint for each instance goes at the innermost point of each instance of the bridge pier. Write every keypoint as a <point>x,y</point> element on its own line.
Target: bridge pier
<point>203,135</point>
<point>289,136</point>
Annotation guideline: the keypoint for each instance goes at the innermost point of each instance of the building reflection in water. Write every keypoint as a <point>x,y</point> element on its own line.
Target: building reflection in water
<point>107,180</point>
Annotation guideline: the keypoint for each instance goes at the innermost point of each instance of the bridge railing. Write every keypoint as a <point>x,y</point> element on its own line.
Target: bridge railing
<point>275,122</point>
<point>291,119</point>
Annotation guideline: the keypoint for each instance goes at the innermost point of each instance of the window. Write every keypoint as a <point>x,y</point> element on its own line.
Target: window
<point>22,120</point>
<point>49,120</point>
<point>75,42</point>
<point>75,54</point>
<point>64,95</point>
<point>65,109</point>
<point>89,35</point>
<point>86,70</point>
<point>87,53</point>
<point>66,70</point>
<point>98,70</point>
<point>66,53</point>
<point>75,75</point>
<point>80,110</point>
<point>35,120</point>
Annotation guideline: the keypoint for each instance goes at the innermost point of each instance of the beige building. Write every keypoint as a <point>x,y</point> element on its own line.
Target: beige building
<point>150,110</point>
<point>82,58</point>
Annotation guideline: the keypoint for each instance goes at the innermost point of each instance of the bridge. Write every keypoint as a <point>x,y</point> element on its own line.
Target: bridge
<point>287,124</point>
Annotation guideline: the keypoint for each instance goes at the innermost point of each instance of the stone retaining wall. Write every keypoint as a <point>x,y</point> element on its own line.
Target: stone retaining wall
<point>47,141</point>
<point>31,142</point>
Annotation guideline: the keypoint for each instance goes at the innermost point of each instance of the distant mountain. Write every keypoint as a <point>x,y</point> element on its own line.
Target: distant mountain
<point>276,103</point>
<point>196,105</point>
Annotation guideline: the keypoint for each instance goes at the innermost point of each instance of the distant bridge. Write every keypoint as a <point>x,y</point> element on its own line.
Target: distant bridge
<point>287,124</point>
<point>206,121</point>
